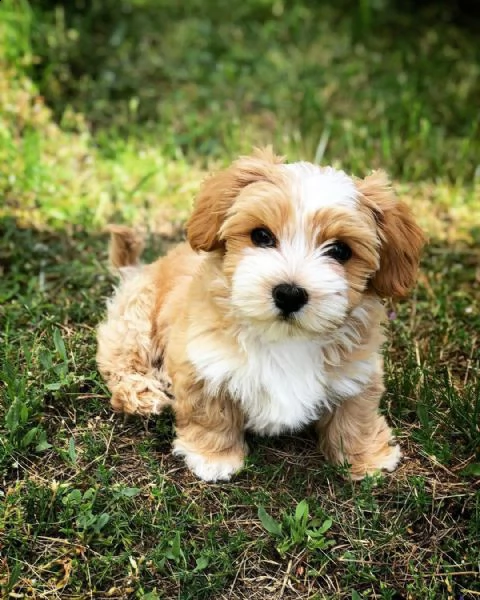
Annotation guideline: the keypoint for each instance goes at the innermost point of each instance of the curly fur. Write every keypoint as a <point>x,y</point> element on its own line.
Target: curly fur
<point>198,330</point>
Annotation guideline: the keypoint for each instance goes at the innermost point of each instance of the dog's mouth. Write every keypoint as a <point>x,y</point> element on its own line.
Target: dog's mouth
<point>293,325</point>
<point>298,323</point>
<point>291,318</point>
<point>308,321</point>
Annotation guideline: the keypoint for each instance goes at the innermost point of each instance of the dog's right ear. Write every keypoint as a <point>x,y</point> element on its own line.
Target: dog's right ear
<point>218,194</point>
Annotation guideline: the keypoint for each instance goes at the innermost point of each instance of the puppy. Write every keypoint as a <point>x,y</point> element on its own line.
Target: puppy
<point>269,318</point>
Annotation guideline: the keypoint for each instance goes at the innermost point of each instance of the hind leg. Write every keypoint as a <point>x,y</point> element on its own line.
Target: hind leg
<point>141,394</point>
<point>125,354</point>
<point>124,360</point>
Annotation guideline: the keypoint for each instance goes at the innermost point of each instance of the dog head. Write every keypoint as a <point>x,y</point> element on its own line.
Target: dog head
<point>301,245</point>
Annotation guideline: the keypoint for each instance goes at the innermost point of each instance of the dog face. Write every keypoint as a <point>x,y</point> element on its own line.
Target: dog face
<point>301,245</point>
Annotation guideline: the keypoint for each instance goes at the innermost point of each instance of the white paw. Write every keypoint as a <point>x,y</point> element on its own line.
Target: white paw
<point>208,469</point>
<point>390,462</point>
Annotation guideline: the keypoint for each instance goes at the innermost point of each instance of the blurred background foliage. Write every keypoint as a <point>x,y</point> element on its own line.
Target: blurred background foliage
<point>109,107</point>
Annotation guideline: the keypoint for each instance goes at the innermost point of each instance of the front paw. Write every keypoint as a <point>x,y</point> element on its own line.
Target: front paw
<point>213,467</point>
<point>385,458</point>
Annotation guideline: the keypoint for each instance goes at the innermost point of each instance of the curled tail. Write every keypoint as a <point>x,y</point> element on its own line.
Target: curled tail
<point>125,248</point>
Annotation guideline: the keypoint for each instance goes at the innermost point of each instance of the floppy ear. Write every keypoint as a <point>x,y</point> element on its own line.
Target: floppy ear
<point>401,240</point>
<point>218,194</point>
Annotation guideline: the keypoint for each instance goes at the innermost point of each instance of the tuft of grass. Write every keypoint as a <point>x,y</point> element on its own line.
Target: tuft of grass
<point>116,111</point>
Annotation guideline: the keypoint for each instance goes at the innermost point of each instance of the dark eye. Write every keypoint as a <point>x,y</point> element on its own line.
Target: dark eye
<point>340,251</point>
<point>263,238</point>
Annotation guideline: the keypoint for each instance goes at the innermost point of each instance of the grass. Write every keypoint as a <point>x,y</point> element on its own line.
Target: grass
<point>94,506</point>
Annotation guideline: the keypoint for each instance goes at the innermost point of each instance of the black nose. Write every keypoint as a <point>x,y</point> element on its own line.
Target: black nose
<point>289,298</point>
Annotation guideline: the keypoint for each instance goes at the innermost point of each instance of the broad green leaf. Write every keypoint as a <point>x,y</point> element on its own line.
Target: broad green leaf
<point>72,453</point>
<point>326,526</point>
<point>29,437</point>
<point>269,522</point>
<point>11,418</point>
<point>201,564</point>
<point>23,413</point>
<point>73,497</point>
<point>301,512</point>
<point>45,359</point>
<point>59,345</point>
<point>130,492</point>
<point>102,520</point>
<point>52,387</point>
<point>42,444</point>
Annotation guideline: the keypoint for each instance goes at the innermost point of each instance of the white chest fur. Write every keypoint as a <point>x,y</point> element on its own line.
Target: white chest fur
<point>282,385</point>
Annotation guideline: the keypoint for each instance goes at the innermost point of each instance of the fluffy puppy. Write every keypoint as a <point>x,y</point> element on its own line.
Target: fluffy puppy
<point>269,318</point>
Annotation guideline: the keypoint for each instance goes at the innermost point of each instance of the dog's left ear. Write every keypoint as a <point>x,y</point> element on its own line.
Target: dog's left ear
<point>401,240</point>
<point>218,194</point>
